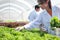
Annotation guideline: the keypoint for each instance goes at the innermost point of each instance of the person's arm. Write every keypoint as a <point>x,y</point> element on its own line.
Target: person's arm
<point>58,8</point>
<point>32,24</point>
<point>58,11</point>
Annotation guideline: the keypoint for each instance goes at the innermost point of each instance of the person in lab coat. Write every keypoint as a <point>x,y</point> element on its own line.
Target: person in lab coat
<point>33,14</point>
<point>44,17</point>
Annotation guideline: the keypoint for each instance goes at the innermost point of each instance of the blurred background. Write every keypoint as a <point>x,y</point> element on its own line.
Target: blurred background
<point>18,10</point>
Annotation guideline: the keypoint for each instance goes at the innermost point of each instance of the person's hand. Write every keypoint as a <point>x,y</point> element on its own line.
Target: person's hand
<point>19,28</point>
<point>43,29</point>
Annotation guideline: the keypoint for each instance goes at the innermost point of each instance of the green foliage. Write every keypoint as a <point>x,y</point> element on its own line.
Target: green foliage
<point>55,22</point>
<point>34,34</point>
<point>9,21</point>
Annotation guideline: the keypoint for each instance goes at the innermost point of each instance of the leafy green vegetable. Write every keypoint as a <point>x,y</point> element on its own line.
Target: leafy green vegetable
<point>55,22</point>
<point>34,34</point>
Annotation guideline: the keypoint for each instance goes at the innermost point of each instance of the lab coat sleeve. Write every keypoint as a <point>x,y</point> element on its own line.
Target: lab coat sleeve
<point>58,8</point>
<point>34,23</point>
<point>58,11</point>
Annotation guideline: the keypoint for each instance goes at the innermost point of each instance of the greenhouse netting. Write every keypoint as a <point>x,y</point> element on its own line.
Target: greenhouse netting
<point>17,9</point>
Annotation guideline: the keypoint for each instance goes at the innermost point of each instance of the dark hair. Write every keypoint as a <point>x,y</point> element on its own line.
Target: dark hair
<point>37,6</point>
<point>43,1</point>
<point>49,4</point>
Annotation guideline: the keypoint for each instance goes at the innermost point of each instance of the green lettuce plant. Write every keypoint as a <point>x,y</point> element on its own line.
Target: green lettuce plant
<point>55,22</point>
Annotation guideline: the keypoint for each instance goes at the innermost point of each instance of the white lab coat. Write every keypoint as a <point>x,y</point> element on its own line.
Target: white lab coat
<point>32,16</point>
<point>44,18</point>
